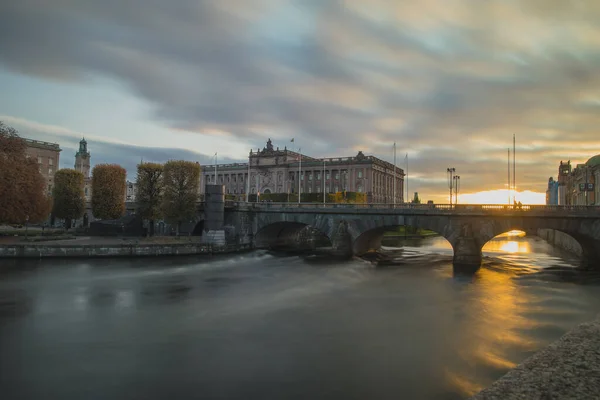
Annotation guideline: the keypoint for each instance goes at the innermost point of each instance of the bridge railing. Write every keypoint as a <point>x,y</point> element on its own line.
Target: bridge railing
<point>488,208</point>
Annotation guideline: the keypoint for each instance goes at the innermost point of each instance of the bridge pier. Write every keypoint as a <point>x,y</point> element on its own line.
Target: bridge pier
<point>467,255</point>
<point>467,249</point>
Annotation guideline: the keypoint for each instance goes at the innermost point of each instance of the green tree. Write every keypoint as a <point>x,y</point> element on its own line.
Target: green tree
<point>108,191</point>
<point>181,182</point>
<point>416,199</point>
<point>150,192</point>
<point>69,200</point>
<point>23,192</point>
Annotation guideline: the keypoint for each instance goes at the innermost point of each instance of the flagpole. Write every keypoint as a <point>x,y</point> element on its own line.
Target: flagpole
<point>406,178</point>
<point>394,174</point>
<point>215,168</point>
<point>299,174</point>
<point>248,179</point>
<point>514,169</point>
<point>323,181</point>
<point>508,187</point>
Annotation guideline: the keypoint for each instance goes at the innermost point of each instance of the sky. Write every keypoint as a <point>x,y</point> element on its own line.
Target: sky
<point>449,81</point>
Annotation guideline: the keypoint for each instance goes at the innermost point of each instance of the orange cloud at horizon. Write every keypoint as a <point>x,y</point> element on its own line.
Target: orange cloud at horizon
<point>501,196</point>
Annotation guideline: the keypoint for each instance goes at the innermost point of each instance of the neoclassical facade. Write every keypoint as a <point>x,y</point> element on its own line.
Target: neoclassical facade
<point>274,170</point>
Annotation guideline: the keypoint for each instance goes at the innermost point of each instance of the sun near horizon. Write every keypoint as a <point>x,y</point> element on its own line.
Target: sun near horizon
<point>501,196</point>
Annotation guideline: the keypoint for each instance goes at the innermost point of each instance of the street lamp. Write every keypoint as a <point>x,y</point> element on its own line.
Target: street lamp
<point>450,172</point>
<point>456,187</point>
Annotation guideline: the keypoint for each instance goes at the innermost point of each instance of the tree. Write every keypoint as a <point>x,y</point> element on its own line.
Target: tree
<point>150,192</point>
<point>416,199</point>
<point>108,191</point>
<point>69,200</point>
<point>181,181</point>
<point>23,193</point>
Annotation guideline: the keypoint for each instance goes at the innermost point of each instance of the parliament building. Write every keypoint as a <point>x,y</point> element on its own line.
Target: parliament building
<point>274,170</point>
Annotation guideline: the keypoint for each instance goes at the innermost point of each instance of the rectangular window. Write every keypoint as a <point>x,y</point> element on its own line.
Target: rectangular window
<point>39,160</point>
<point>49,171</point>
<point>310,176</point>
<point>318,176</point>
<point>309,189</point>
<point>327,175</point>
<point>50,161</point>
<point>360,174</point>
<point>337,175</point>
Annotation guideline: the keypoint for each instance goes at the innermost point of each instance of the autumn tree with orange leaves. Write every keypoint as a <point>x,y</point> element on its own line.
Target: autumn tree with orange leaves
<point>67,193</point>
<point>108,191</point>
<point>23,193</point>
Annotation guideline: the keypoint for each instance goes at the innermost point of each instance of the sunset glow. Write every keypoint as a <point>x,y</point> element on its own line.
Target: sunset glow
<point>501,197</point>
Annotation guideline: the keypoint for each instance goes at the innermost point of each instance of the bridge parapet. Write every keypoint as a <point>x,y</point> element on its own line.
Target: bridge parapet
<point>425,209</point>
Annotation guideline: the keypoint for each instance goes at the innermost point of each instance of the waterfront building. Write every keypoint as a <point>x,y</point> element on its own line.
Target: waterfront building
<point>47,156</point>
<point>552,192</point>
<point>579,186</point>
<point>275,170</point>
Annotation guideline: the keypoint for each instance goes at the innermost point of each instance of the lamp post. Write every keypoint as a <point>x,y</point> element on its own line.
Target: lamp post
<point>586,185</point>
<point>450,172</point>
<point>26,226</point>
<point>456,188</point>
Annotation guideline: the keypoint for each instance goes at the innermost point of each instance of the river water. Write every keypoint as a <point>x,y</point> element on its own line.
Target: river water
<point>266,326</point>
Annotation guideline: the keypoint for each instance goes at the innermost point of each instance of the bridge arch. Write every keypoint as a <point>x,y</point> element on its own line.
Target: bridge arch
<point>290,235</point>
<point>355,229</point>
<point>371,239</point>
<point>585,233</point>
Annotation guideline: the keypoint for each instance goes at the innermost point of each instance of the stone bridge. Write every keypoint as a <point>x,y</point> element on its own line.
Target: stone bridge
<point>353,229</point>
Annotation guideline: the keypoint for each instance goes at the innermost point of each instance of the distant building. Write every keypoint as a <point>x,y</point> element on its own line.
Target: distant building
<point>47,156</point>
<point>579,186</point>
<point>273,170</point>
<point>131,191</point>
<point>552,192</point>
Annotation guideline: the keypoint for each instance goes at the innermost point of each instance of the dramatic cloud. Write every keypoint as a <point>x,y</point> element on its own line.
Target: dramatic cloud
<point>450,81</point>
<point>103,151</point>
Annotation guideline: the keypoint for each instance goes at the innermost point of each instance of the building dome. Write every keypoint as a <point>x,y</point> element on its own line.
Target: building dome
<point>592,162</point>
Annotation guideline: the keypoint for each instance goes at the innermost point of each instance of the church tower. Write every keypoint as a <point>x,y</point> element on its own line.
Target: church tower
<point>82,159</point>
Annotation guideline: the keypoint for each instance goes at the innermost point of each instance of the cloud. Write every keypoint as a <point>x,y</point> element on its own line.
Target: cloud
<point>104,151</point>
<point>450,81</point>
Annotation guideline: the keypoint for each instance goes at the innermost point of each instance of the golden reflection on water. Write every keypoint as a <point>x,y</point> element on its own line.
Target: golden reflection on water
<point>498,307</point>
<point>508,243</point>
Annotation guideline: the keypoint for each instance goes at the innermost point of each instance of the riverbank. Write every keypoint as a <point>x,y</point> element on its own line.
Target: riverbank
<point>80,247</point>
<point>567,369</point>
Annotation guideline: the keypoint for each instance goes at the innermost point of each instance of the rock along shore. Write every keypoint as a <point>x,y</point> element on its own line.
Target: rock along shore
<point>567,369</point>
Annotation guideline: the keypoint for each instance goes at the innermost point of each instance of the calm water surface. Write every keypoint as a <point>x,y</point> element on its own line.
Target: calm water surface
<point>264,326</point>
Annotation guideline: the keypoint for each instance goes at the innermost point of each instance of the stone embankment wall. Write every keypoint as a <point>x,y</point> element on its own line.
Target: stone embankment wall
<point>124,250</point>
<point>567,369</point>
<point>560,240</point>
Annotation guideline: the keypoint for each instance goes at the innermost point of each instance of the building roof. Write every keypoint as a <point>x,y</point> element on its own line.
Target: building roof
<point>593,161</point>
<point>38,144</point>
